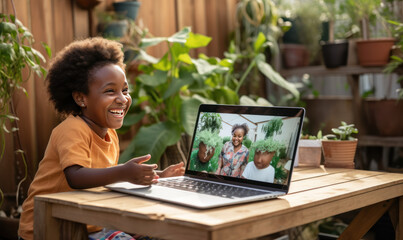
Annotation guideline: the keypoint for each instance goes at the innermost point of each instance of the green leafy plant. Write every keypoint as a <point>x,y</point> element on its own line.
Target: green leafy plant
<point>272,127</point>
<point>313,137</point>
<point>266,145</point>
<point>344,132</point>
<point>16,53</point>
<point>397,58</point>
<point>211,121</point>
<point>365,13</point>
<point>170,89</point>
<point>210,139</point>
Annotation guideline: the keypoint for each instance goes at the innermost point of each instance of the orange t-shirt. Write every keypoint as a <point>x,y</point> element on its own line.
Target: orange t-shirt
<point>72,142</point>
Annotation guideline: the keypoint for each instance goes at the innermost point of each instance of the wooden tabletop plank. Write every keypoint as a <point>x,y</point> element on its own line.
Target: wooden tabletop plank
<point>306,173</point>
<point>286,203</point>
<point>246,212</point>
<point>329,179</point>
<point>324,193</point>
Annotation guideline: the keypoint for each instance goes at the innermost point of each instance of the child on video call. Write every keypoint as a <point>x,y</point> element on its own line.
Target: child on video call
<point>87,84</point>
<point>260,169</point>
<point>234,155</point>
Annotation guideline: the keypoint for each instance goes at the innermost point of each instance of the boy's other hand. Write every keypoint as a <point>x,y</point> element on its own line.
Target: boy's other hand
<point>139,173</point>
<point>173,170</point>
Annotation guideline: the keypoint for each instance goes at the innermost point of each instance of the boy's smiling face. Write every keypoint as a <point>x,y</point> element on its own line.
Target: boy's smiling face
<point>262,159</point>
<point>108,99</point>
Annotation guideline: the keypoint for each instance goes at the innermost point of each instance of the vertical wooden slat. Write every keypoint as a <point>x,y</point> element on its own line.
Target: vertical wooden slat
<point>44,114</point>
<point>199,22</point>
<point>212,30</point>
<point>159,17</point>
<point>80,22</point>
<point>63,24</point>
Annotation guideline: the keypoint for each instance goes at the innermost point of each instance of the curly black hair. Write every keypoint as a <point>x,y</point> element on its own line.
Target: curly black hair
<point>74,66</point>
<point>243,126</point>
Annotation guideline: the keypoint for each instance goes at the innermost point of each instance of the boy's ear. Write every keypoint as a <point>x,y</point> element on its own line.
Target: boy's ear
<point>79,98</point>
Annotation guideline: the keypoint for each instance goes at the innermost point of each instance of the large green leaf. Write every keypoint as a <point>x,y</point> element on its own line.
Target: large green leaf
<point>181,36</point>
<point>259,42</point>
<point>7,27</point>
<point>197,40</point>
<point>225,95</point>
<point>159,77</point>
<point>177,83</point>
<point>189,114</point>
<point>164,64</point>
<point>148,42</point>
<point>274,76</point>
<point>152,140</point>
<point>145,56</point>
<point>205,68</point>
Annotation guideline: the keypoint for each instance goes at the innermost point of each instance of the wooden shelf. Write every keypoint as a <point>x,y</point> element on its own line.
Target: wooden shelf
<point>369,140</point>
<point>323,71</point>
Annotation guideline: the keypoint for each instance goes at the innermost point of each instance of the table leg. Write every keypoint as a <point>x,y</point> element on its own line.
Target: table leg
<point>399,227</point>
<point>365,219</point>
<point>45,225</point>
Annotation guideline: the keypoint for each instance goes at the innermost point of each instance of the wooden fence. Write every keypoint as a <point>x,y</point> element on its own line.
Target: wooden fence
<point>59,22</point>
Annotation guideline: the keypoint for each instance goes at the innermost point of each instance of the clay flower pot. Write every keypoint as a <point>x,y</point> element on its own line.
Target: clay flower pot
<point>339,154</point>
<point>204,155</point>
<point>309,153</point>
<point>374,52</point>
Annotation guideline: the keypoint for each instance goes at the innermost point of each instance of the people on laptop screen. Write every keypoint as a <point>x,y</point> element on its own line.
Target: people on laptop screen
<point>262,153</point>
<point>234,155</point>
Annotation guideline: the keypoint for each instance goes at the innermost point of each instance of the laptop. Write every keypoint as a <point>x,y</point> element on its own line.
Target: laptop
<point>232,171</point>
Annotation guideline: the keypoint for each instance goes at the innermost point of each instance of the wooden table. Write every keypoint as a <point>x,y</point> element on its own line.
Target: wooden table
<point>316,193</point>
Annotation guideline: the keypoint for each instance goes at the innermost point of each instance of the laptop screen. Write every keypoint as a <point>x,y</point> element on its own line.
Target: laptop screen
<point>252,145</point>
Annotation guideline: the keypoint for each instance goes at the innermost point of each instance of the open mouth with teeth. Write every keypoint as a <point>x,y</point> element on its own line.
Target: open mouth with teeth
<point>118,112</point>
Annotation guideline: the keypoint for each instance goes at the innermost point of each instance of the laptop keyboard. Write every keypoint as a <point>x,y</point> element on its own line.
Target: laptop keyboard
<point>210,188</point>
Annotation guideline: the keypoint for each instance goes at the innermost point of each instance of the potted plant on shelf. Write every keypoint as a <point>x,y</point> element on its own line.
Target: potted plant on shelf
<point>370,51</point>
<point>334,51</point>
<point>304,48</point>
<point>112,25</point>
<point>16,55</point>
<point>377,109</point>
<point>310,150</point>
<point>128,8</point>
<point>339,151</point>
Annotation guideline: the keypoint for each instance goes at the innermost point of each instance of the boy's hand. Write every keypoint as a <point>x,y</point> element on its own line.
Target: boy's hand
<point>173,170</point>
<point>139,173</point>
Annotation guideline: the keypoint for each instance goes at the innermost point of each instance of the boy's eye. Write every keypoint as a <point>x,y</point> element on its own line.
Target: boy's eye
<point>109,90</point>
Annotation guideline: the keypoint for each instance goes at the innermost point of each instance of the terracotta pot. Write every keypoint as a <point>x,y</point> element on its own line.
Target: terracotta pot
<point>294,55</point>
<point>339,153</point>
<point>384,116</point>
<point>203,154</point>
<point>309,153</point>
<point>374,52</point>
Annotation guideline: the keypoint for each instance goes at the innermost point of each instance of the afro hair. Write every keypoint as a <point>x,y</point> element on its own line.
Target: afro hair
<point>71,70</point>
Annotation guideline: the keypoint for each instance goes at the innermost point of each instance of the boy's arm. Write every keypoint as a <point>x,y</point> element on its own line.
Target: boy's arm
<point>133,171</point>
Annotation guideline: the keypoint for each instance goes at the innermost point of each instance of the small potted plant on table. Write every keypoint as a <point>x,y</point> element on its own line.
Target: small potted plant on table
<point>310,150</point>
<point>339,151</point>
